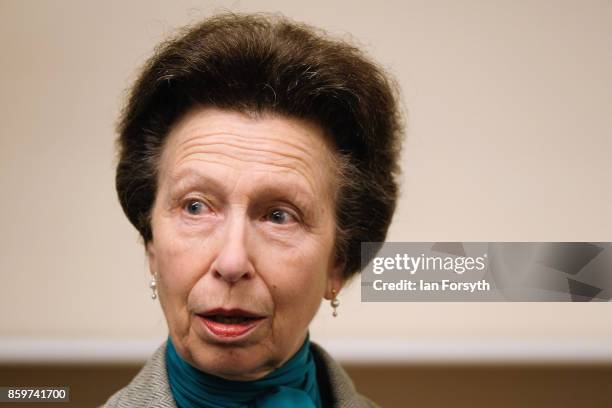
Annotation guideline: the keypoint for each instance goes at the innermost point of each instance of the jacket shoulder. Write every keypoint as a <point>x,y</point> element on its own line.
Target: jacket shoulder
<point>339,385</point>
<point>149,389</point>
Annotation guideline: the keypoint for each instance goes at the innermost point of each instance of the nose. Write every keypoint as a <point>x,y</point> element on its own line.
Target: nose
<point>232,263</point>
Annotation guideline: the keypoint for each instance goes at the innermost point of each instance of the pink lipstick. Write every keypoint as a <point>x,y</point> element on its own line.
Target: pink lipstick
<point>230,323</point>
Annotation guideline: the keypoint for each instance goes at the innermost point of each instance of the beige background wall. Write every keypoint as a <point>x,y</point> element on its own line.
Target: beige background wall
<point>509,139</point>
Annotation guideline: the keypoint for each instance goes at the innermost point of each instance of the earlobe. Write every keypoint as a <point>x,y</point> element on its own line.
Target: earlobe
<point>150,254</point>
<point>335,282</point>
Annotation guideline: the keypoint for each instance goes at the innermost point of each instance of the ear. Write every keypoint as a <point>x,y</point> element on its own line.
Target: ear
<point>335,281</point>
<point>150,253</point>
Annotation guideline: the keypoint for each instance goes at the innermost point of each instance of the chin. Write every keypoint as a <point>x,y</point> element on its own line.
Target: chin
<point>232,363</point>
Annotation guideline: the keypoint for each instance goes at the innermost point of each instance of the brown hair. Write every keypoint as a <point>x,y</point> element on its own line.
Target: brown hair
<point>261,63</point>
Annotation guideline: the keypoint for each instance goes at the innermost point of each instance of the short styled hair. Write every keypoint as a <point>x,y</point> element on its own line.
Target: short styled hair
<point>259,63</point>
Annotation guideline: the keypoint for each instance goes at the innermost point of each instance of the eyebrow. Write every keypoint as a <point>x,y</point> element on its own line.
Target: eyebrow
<point>282,190</point>
<point>188,178</point>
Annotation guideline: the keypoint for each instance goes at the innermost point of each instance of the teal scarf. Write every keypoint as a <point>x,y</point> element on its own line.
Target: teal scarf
<point>292,385</point>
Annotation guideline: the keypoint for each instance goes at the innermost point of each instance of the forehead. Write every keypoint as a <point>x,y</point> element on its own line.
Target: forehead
<point>269,147</point>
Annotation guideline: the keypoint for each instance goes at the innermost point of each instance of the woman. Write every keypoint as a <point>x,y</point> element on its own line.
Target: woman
<point>255,155</point>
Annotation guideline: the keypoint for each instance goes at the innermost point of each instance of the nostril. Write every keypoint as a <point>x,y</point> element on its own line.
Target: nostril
<point>231,276</point>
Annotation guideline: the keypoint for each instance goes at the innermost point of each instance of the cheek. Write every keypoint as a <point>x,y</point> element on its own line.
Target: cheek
<point>176,275</point>
<point>178,265</point>
<point>296,278</point>
<point>173,262</point>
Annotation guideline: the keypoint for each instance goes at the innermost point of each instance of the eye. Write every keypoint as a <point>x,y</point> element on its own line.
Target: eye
<point>195,207</point>
<point>279,216</point>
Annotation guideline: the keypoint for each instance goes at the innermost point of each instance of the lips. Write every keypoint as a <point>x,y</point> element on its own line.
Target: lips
<point>230,323</point>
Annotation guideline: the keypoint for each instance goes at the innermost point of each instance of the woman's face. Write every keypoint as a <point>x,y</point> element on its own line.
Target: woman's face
<point>243,234</point>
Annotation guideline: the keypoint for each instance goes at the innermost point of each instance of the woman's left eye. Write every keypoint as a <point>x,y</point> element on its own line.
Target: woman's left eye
<point>279,216</point>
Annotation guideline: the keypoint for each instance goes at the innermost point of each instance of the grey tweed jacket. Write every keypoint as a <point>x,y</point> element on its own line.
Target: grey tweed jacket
<point>150,388</point>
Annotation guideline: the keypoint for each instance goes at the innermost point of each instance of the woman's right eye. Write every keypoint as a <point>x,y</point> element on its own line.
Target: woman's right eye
<point>195,207</point>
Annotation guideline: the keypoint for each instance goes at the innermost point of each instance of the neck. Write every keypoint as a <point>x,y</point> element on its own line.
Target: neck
<point>192,387</point>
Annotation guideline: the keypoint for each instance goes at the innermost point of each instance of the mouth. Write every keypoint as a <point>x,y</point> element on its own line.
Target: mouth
<point>230,323</point>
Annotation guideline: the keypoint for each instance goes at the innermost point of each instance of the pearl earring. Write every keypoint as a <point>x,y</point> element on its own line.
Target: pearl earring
<point>334,303</point>
<point>153,286</point>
